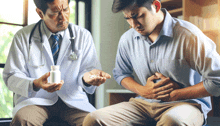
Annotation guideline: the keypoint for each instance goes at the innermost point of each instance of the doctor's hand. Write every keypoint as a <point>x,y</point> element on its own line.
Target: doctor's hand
<point>95,77</point>
<point>160,90</point>
<point>43,83</point>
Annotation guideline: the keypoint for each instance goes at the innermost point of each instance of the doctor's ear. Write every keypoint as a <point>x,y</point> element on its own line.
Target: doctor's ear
<point>40,13</point>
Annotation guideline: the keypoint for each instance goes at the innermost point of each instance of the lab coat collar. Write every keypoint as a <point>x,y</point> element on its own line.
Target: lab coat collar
<point>46,45</point>
<point>66,42</point>
<point>64,46</point>
<point>49,33</point>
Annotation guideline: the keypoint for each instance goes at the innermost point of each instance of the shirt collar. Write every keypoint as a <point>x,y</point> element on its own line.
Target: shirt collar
<point>49,33</point>
<point>167,28</point>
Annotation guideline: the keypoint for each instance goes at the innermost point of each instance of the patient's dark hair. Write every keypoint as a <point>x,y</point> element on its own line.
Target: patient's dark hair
<point>42,4</point>
<point>119,5</point>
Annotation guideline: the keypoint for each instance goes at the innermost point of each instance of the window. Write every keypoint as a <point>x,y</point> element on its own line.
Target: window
<point>10,23</point>
<point>24,14</point>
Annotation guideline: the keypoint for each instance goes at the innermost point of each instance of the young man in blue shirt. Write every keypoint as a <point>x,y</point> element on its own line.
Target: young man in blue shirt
<point>177,65</point>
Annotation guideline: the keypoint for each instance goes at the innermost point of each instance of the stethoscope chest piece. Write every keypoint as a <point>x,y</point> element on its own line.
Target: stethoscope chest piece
<point>73,56</point>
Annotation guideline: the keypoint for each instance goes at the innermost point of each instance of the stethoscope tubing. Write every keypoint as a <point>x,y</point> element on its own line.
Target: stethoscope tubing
<point>41,40</point>
<point>39,29</point>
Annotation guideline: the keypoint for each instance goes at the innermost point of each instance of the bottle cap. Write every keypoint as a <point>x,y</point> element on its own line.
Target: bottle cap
<point>55,67</point>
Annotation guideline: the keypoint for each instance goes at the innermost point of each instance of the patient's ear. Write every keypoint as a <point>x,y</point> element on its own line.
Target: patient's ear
<point>157,5</point>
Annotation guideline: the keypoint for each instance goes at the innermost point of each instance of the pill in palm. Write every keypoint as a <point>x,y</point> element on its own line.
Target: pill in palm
<point>92,76</point>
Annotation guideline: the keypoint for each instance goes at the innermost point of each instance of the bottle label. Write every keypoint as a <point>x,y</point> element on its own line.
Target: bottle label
<point>55,77</point>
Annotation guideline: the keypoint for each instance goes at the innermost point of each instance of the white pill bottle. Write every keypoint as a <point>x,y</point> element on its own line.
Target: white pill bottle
<point>55,74</point>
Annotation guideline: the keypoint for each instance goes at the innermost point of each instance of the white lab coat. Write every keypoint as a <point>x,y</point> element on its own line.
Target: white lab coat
<point>19,72</point>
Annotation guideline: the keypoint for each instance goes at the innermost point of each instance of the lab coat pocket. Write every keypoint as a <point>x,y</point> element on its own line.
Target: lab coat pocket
<point>36,59</point>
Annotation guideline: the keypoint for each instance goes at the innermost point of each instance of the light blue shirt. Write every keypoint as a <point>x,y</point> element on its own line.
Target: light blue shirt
<point>181,52</point>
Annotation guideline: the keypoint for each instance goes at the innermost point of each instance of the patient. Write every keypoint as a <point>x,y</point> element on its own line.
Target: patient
<point>178,67</point>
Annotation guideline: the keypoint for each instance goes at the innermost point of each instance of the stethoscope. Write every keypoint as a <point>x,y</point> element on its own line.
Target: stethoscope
<point>73,55</point>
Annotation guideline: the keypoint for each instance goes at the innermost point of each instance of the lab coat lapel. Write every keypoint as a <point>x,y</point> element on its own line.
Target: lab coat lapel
<point>64,46</point>
<point>46,45</point>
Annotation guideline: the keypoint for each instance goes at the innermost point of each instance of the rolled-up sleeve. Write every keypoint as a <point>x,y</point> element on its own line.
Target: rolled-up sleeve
<point>212,74</point>
<point>123,66</point>
<point>205,59</point>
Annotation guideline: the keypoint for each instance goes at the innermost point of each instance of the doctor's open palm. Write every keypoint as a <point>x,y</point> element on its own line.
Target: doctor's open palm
<point>44,84</point>
<point>96,77</point>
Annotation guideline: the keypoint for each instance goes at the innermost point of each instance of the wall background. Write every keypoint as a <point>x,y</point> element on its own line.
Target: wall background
<point>107,28</point>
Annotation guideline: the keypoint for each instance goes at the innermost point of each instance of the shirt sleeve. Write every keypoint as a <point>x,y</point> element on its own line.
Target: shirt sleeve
<point>15,74</point>
<point>203,57</point>
<point>123,66</point>
<point>89,61</point>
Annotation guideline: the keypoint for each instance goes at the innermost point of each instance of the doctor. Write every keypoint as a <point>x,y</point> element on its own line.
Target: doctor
<point>29,61</point>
